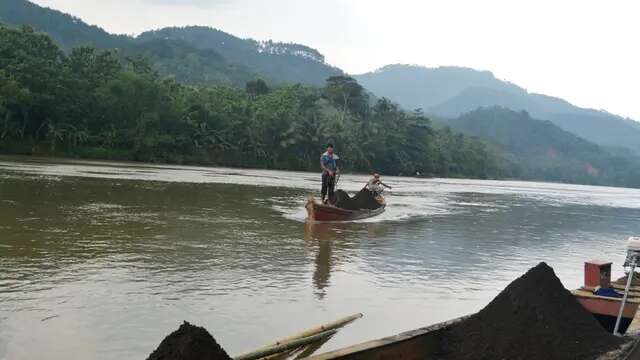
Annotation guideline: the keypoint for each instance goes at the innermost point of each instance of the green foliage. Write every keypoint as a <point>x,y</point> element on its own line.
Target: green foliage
<point>256,87</point>
<point>344,93</point>
<point>94,103</point>
<point>32,80</point>
<point>189,64</point>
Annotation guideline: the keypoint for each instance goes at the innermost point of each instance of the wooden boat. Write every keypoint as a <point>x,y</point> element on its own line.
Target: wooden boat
<point>324,212</point>
<point>605,309</point>
<point>430,342</point>
<point>419,344</point>
<point>426,343</point>
<point>301,345</point>
<point>597,275</point>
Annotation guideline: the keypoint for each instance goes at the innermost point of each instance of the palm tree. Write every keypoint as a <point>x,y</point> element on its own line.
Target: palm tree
<point>55,132</point>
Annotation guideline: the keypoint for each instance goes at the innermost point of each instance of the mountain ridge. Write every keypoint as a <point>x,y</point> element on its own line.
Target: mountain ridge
<point>66,29</point>
<point>295,62</point>
<point>461,90</point>
<point>542,150</point>
<point>276,62</point>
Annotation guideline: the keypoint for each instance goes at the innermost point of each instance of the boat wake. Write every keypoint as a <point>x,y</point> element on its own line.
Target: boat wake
<point>399,208</point>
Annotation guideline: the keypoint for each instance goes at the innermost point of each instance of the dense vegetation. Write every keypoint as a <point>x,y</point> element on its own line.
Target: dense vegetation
<point>452,91</point>
<point>541,150</point>
<point>91,103</point>
<point>189,64</point>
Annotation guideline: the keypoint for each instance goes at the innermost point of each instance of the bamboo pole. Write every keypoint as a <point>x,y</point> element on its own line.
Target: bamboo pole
<point>318,329</point>
<point>309,350</point>
<point>300,353</point>
<point>290,345</point>
<point>307,333</point>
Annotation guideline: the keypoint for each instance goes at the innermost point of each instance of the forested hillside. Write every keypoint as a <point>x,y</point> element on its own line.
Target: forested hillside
<point>452,91</point>
<point>90,103</point>
<point>219,58</point>
<point>287,63</point>
<point>189,64</point>
<point>541,150</point>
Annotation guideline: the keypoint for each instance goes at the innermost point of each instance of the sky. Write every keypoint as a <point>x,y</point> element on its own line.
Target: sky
<point>584,51</point>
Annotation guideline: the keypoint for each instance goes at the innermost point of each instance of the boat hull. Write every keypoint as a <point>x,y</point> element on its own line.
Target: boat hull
<point>416,344</point>
<point>322,212</point>
<point>605,309</point>
<point>421,344</point>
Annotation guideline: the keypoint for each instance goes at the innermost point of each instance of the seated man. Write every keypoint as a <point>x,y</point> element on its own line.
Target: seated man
<point>376,186</point>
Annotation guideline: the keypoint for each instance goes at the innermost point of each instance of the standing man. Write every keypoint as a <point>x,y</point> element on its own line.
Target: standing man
<point>329,170</point>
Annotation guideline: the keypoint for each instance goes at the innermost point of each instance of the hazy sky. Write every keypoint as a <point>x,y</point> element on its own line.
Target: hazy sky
<point>587,52</point>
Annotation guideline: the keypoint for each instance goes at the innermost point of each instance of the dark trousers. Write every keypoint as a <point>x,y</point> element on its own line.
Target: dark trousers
<point>328,185</point>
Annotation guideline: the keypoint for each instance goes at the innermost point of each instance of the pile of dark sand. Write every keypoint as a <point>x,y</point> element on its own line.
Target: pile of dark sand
<point>535,317</point>
<point>189,342</point>
<point>362,200</point>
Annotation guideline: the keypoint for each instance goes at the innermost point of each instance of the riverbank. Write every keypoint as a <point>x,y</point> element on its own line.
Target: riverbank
<point>26,152</point>
<point>121,156</point>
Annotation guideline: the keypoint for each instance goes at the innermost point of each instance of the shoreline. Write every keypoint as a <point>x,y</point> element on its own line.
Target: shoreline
<point>161,165</point>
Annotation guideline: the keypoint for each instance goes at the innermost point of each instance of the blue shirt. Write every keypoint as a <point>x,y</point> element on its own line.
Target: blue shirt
<point>328,161</point>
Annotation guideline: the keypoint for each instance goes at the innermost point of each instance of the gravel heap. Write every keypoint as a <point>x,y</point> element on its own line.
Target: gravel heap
<point>189,342</point>
<point>534,317</point>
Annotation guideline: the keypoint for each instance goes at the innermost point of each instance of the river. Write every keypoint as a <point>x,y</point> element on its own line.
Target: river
<point>101,260</point>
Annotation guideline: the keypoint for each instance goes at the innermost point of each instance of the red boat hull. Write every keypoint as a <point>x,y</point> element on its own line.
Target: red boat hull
<point>605,309</point>
<point>322,212</point>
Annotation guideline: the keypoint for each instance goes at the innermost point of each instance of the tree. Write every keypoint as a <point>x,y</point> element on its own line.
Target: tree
<point>345,93</point>
<point>257,87</point>
<point>36,64</point>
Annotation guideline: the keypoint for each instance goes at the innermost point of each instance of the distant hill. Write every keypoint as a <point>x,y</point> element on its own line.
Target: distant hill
<point>452,91</point>
<point>288,63</point>
<point>219,57</point>
<point>421,87</point>
<point>542,150</point>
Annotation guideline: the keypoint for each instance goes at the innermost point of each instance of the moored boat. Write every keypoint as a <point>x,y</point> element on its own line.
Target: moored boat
<point>603,299</point>
<point>605,309</point>
<point>532,318</point>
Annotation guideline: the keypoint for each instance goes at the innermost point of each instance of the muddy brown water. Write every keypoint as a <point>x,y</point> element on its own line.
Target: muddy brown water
<point>102,260</point>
